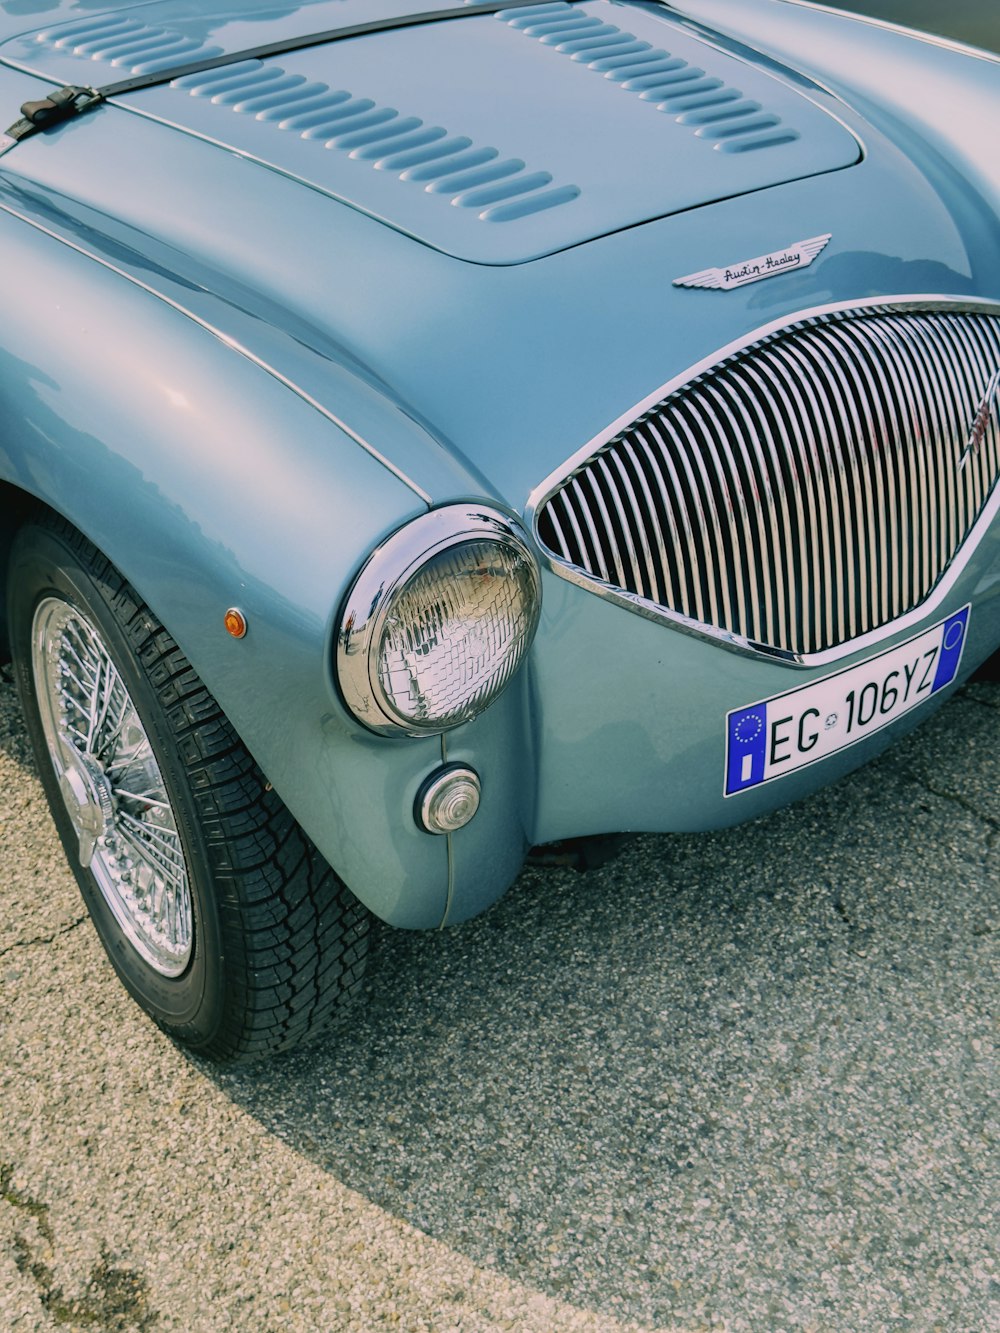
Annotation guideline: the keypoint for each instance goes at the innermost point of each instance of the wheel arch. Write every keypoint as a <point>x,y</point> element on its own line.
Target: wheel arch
<point>208,482</point>
<point>246,939</point>
<point>17,506</point>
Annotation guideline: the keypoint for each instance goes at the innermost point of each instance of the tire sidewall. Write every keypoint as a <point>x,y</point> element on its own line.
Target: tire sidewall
<point>44,564</point>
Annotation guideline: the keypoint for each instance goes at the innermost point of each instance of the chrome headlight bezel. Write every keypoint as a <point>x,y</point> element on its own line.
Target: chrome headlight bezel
<point>385,576</point>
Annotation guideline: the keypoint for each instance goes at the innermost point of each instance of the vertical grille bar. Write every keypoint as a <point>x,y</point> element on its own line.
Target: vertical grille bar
<point>806,491</point>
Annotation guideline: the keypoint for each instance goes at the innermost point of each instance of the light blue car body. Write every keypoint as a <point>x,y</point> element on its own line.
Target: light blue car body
<point>237,361</point>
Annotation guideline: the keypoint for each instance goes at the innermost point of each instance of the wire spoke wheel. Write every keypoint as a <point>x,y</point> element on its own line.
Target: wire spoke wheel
<point>111,784</point>
<point>214,908</point>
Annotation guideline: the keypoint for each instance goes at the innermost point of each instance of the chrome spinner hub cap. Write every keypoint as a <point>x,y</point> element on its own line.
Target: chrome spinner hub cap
<point>111,786</point>
<point>88,797</point>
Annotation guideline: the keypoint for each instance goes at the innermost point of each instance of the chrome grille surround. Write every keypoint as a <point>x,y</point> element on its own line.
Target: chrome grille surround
<point>801,494</point>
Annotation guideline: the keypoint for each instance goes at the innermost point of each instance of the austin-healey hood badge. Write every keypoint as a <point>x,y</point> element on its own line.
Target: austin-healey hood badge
<point>798,255</point>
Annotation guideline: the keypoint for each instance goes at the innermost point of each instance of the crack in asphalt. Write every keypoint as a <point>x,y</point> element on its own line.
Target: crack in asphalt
<point>962,802</point>
<point>992,839</point>
<point>982,703</point>
<point>44,939</point>
<point>115,1300</point>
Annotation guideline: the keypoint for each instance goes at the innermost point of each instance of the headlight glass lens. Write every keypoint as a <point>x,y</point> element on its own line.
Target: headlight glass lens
<point>455,633</point>
<point>438,620</point>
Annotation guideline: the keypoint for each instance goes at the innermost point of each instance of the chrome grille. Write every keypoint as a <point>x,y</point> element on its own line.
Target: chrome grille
<point>806,491</point>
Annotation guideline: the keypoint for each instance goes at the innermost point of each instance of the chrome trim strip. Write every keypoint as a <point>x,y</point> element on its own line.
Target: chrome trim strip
<point>647,571</point>
<point>369,602</point>
<point>232,343</point>
<point>840,479</point>
<point>739,644</point>
<point>643,450</point>
<point>931,38</point>
<point>817,315</point>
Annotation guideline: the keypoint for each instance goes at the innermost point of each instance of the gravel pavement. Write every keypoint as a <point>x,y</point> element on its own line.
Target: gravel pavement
<point>743,1081</point>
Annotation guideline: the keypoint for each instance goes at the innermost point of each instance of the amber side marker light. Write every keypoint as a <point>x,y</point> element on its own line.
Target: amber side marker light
<point>236,623</point>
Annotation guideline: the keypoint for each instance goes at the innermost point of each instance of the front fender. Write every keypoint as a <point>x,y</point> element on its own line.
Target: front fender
<point>209,482</point>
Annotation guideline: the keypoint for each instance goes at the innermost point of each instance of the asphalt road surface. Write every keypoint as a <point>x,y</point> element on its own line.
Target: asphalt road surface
<point>743,1081</point>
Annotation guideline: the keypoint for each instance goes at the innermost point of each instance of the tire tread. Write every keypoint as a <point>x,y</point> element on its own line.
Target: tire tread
<point>294,937</point>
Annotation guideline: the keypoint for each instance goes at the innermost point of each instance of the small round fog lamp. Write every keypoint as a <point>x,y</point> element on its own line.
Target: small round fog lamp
<point>448,799</point>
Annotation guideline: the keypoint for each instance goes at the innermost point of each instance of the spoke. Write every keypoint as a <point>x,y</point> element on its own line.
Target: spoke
<point>69,701</point>
<point>160,899</point>
<point>100,697</point>
<point>111,778</point>
<point>163,837</point>
<point>168,880</point>
<point>158,855</point>
<point>87,683</point>
<point>160,852</point>
<point>175,926</point>
<point>92,711</point>
<point>113,736</point>
<point>121,766</point>
<point>68,673</point>
<point>86,667</point>
<point>150,801</point>
<point>114,694</point>
<point>75,731</point>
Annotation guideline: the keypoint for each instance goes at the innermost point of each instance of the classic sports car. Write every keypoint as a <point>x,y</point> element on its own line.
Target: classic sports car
<point>430,434</point>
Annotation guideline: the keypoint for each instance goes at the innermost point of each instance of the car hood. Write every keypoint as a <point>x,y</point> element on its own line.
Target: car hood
<point>482,379</point>
<point>494,138</point>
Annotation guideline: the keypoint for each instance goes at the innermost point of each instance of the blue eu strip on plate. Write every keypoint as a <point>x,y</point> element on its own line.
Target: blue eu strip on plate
<point>778,735</point>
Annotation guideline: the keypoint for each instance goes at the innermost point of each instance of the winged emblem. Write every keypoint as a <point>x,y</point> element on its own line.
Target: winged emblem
<point>798,255</point>
<point>982,420</point>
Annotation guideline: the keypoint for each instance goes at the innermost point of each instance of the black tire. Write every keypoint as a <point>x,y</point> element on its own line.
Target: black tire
<point>988,670</point>
<point>259,942</point>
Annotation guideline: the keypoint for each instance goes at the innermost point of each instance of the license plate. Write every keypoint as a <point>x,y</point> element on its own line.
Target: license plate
<point>791,730</point>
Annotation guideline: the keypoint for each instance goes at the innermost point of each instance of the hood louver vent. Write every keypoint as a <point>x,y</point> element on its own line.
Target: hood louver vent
<point>731,122</point>
<point>435,129</point>
<point>497,189</point>
<point>125,44</point>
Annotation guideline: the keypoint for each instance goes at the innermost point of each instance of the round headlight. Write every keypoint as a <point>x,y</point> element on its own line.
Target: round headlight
<point>437,621</point>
